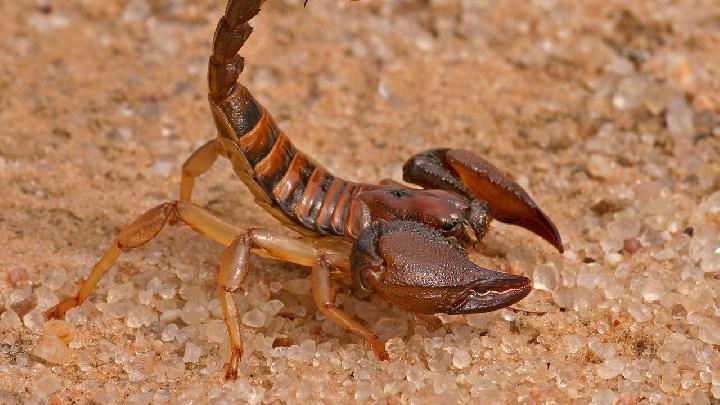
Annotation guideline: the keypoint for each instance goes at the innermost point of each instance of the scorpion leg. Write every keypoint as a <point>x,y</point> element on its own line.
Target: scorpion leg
<point>470,175</point>
<point>432,321</point>
<point>323,290</point>
<point>141,231</point>
<point>232,271</point>
<point>233,265</point>
<point>198,163</point>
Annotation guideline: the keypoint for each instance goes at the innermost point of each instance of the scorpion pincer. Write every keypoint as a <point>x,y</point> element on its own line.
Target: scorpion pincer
<point>403,243</point>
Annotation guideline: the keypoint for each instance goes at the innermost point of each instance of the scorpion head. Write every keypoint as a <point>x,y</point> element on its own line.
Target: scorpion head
<point>449,213</point>
<point>417,268</point>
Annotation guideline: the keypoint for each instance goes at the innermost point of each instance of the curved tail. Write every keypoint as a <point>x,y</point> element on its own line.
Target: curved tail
<point>231,33</point>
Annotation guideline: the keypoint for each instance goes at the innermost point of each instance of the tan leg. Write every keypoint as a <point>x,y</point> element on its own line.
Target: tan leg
<point>234,268</point>
<point>432,321</point>
<point>323,290</point>
<point>198,163</point>
<point>232,272</point>
<point>141,231</point>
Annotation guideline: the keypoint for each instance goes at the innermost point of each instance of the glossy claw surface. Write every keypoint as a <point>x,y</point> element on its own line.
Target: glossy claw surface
<point>468,174</point>
<point>416,268</point>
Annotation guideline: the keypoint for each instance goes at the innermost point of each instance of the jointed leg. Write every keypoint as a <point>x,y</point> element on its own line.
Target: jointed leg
<point>233,266</point>
<point>233,270</point>
<point>198,163</point>
<point>432,321</point>
<point>323,290</point>
<point>141,231</point>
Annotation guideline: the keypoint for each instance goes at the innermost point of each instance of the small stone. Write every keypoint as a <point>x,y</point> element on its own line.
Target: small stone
<point>258,294</point>
<point>104,397</point>
<point>34,320</point>
<point>629,93</point>
<point>395,346</point>
<point>574,343</point>
<point>54,278</point>
<point>192,353</point>
<point>141,398</point>
<point>46,385</point>
<point>45,298</point>
<point>298,286</point>
<point>709,332</point>
<point>610,368</point>
<point>272,307</point>
<point>546,277</point>
<point>640,312</point>
<point>387,327</point>
<point>76,316</point>
<point>589,276</point>
<point>169,332</point>
<point>604,397</point>
<point>679,71</point>
<point>192,293</point>
<point>194,313</point>
<point>275,287</point>
<point>600,167</point>
<point>715,390</point>
<point>362,391</point>
<point>17,275</point>
<point>170,315</point>
<point>140,315</point>
<point>679,118</point>
<point>215,330</point>
<point>444,383</point>
<point>254,318</point>
<point>564,297</point>
<point>461,358</point>
<point>631,246</point>
<point>653,291</point>
<point>53,350</point>
<point>699,398</point>
<point>9,320</point>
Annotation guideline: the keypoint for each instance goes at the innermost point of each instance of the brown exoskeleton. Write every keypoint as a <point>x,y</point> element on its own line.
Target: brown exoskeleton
<point>405,244</point>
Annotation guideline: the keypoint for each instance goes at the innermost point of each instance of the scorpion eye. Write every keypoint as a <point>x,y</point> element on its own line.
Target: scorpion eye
<point>398,193</point>
<point>450,225</point>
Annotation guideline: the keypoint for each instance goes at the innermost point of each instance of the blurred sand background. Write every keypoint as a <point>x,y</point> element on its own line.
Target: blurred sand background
<point>606,111</point>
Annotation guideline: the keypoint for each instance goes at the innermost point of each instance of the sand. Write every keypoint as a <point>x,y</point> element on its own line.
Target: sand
<point>607,112</point>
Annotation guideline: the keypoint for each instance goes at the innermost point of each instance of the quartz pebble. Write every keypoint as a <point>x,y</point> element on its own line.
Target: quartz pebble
<point>46,385</point>
<point>679,118</point>
<point>53,350</point>
<point>640,312</point>
<point>545,278</point>
<point>461,358</point>
<point>298,286</point>
<point>254,318</point>
<point>192,353</point>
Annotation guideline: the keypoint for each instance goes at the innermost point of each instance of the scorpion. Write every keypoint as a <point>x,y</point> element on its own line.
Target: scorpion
<point>405,244</point>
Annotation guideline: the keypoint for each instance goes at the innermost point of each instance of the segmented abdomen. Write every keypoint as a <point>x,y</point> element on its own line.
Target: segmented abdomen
<point>302,189</point>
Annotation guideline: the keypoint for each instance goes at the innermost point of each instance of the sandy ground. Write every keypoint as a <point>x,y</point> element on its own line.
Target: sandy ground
<point>606,111</point>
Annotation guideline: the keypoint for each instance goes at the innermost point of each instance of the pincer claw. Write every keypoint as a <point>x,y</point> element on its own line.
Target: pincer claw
<point>416,268</point>
<point>470,175</point>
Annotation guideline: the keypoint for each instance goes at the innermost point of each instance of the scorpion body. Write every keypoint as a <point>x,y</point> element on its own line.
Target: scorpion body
<point>284,180</point>
<point>405,244</point>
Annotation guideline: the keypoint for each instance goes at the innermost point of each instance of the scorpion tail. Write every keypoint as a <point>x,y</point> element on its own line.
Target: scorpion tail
<point>231,33</point>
